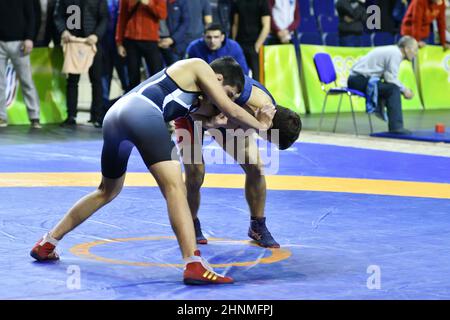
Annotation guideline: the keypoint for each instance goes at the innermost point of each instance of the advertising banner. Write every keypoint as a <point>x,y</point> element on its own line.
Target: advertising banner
<point>282,78</point>
<point>50,84</point>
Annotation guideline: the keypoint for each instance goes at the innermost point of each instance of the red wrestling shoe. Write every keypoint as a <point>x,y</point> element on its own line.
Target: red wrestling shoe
<point>198,272</point>
<point>44,249</point>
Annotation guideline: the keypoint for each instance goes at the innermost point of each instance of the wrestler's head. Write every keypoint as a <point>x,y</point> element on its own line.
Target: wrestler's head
<point>229,73</point>
<point>287,125</point>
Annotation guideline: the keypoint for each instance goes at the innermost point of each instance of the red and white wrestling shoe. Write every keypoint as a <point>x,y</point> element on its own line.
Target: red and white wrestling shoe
<point>44,249</point>
<point>197,271</point>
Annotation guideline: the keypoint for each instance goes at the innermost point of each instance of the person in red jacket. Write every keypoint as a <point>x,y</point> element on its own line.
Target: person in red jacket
<point>137,35</point>
<point>418,18</point>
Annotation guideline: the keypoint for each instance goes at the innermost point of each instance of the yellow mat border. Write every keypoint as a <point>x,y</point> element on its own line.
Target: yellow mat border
<point>237,181</point>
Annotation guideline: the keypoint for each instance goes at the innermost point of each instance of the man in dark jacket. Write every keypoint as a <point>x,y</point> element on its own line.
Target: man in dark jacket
<point>352,18</point>
<point>94,22</point>
<point>45,28</point>
<point>173,31</point>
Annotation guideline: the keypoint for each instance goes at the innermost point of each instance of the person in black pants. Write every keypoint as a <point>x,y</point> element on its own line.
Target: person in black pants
<point>94,23</point>
<point>381,66</point>
<point>387,92</point>
<point>137,36</point>
<point>251,26</point>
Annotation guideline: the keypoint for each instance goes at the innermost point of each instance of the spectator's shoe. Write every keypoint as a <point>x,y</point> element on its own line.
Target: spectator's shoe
<point>3,123</point>
<point>197,271</point>
<point>198,232</point>
<point>44,249</point>
<point>35,124</point>
<point>97,124</point>
<point>69,122</point>
<point>401,131</point>
<point>259,232</point>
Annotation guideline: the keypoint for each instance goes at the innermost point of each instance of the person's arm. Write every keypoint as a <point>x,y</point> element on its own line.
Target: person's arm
<point>58,17</point>
<point>156,8</point>
<point>37,18</point>
<point>207,13</point>
<point>122,20</point>
<point>442,26</point>
<point>418,12</point>
<point>264,32</point>
<point>273,25</point>
<point>235,26</point>
<point>207,81</point>
<point>264,11</point>
<point>391,72</point>
<point>102,20</point>
<point>27,46</point>
<point>190,52</point>
<point>178,34</point>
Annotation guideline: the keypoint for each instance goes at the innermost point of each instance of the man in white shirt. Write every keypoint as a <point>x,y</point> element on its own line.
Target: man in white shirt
<point>384,63</point>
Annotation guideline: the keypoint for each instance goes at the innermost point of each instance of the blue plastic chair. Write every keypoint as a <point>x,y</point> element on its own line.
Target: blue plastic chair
<point>331,39</point>
<point>327,74</point>
<point>366,40</point>
<point>308,24</point>
<point>325,7</point>
<point>310,38</point>
<point>305,7</point>
<point>383,39</point>
<point>328,23</point>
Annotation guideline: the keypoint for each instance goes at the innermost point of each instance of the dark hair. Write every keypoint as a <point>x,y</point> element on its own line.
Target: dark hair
<point>230,70</point>
<point>288,124</point>
<point>214,27</point>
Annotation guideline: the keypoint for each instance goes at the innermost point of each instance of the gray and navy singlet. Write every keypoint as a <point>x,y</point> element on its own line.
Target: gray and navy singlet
<point>139,119</point>
<point>186,123</point>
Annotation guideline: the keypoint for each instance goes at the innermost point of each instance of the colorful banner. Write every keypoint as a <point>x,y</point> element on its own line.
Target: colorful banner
<point>282,78</point>
<point>50,83</point>
<point>343,59</point>
<point>434,77</point>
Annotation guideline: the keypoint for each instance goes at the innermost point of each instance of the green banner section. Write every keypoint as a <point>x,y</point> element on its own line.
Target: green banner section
<point>51,87</point>
<point>282,77</point>
<point>343,60</point>
<point>434,76</point>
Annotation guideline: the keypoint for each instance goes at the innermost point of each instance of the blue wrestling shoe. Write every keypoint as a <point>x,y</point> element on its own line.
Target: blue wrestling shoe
<point>198,232</point>
<point>259,232</point>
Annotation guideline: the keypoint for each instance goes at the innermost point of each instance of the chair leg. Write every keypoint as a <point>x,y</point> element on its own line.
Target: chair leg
<point>323,112</point>
<point>353,115</point>
<point>337,114</point>
<point>370,123</point>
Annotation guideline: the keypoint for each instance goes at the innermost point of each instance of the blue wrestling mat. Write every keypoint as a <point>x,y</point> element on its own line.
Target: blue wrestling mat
<point>352,223</point>
<point>422,135</point>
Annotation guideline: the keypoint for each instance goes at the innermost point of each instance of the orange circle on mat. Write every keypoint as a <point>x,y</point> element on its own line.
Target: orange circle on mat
<point>83,250</point>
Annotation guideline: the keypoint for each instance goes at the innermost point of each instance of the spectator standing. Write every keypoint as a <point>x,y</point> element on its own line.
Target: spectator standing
<point>173,31</point>
<point>200,14</point>
<point>112,60</point>
<point>285,20</point>
<point>94,22</point>
<point>214,45</point>
<point>137,35</point>
<point>418,18</point>
<point>251,26</point>
<point>17,31</point>
<point>224,15</point>
<point>352,19</point>
<point>45,28</point>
